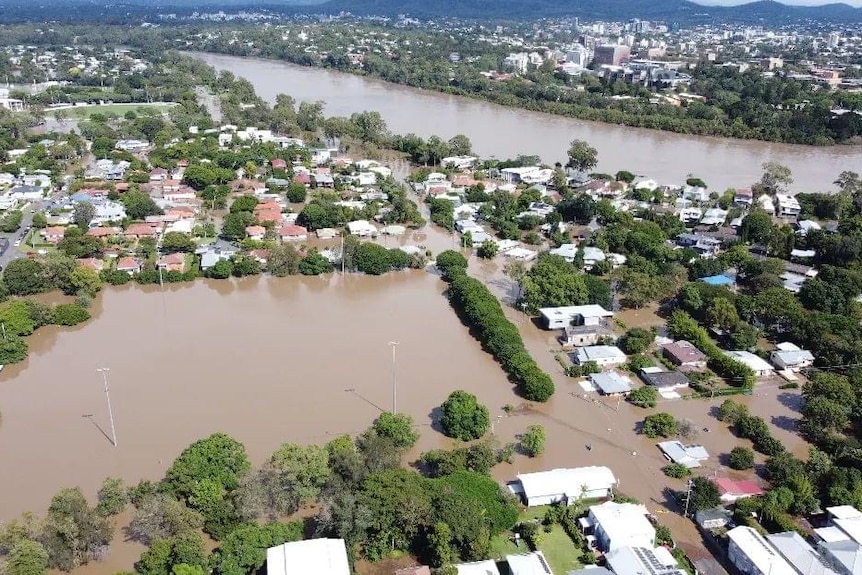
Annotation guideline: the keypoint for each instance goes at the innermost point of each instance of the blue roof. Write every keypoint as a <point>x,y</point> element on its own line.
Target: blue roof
<point>720,280</point>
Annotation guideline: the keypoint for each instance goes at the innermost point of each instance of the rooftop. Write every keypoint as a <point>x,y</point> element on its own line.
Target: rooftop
<point>528,564</point>
<point>688,455</point>
<point>799,553</point>
<point>764,557</point>
<point>318,556</point>
<point>566,481</point>
<point>611,382</point>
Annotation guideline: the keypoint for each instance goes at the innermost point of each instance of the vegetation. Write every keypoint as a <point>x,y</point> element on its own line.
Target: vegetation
<point>644,396</point>
<point>533,441</point>
<point>741,458</point>
<point>659,425</point>
<point>463,417</point>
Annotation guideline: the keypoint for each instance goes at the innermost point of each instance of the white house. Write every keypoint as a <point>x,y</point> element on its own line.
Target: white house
<point>486,567</point>
<point>611,383</point>
<point>602,355</point>
<point>714,217</point>
<point>790,356</point>
<point>688,455</point>
<point>616,525</point>
<point>318,556</point>
<point>528,564</point>
<point>564,485</point>
<point>361,228</point>
<point>592,256</point>
<point>642,561</point>
<point>560,317</point>
<point>759,366</point>
<point>566,251</point>
<point>752,554</point>
<point>788,206</point>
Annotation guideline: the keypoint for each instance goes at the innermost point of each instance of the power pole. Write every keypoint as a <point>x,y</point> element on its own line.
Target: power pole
<point>104,371</point>
<point>393,345</point>
<point>688,497</point>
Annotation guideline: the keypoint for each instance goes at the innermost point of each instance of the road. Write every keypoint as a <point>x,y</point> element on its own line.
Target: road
<point>27,221</point>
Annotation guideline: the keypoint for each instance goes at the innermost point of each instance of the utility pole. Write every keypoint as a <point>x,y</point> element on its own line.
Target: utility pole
<point>104,371</point>
<point>688,497</point>
<point>393,345</point>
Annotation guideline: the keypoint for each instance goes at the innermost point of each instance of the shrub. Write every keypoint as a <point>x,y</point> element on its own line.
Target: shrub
<point>70,314</point>
<point>636,340</point>
<point>533,441</point>
<point>644,396</point>
<point>741,458</point>
<point>659,425</point>
<point>676,470</point>
<point>464,417</point>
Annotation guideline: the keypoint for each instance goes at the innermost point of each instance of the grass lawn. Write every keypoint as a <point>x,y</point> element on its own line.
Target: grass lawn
<point>561,553</point>
<point>118,109</point>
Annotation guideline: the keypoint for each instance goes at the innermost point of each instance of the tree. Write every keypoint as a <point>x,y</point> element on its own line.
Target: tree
<point>296,193</point>
<point>676,470</point>
<point>729,411</point>
<point>235,223</point>
<point>221,270</point>
<point>283,260</point>
<point>73,532</point>
<point>12,350</point>
<point>741,458</point>
<point>636,340</point>
<point>218,457</point>
<point>488,250</point>
<point>582,156</point>
<point>372,259</point>
<point>178,242</point>
<point>744,336</point>
<point>439,545</point>
<point>40,220</point>
<point>113,496</point>
<point>704,494</point>
<point>301,471</point>
<point>398,428</point>
<point>244,203</point>
<point>451,264</point>
<point>533,441</point>
<point>82,246</point>
<point>160,516</point>
<point>460,145</point>
<point>722,314</point>
<point>552,282</point>
<point>139,205</point>
<point>756,227</point>
<point>314,264</point>
<point>644,396</point>
<point>659,425</point>
<point>581,208</point>
<point>244,550</point>
<point>774,180</point>
<point>24,276</point>
<point>821,413</point>
<point>83,214</point>
<point>165,554</point>
<point>84,280</point>
<point>463,417</point>
<point>27,558</point>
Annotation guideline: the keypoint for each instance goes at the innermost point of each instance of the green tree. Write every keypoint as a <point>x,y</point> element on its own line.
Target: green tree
<point>218,457</point>
<point>300,471</point>
<point>244,550</point>
<point>553,282</point>
<point>83,214</point>
<point>283,260</point>
<point>372,259</point>
<point>113,496</point>
<point>81,246</point>
<point>488,250</point>
<point>73,531</point>
<point>178,242</point>
<point>160,516</point>
<point>439,545</point>
<point>221,270</point>
<point>314,264</point>
<point>244,203</point>
<point>774,180</point>
<point>533,441</point>
<point>704,494</point>
<point>398,428</point>
<point>636,340</point>
<point>582,156</point>
<point>164,554</point>
<point>676,470</point>
<point>451,264</point>
<point>722,314</point>
<point>24,276</point>
<point>70,314</point>
<point>463,417</point>
<point>460,145</point>
<point>296,193</point>
<point>235,223</point>
<point>139,205</point>
<point>84,280</point>
<point>644,396</point>
<point>27,558</point>
<point>12,350</point>
<point>741,458</point>
<point>40,220</point>
<point>659,425</point>
<point>757,227</point>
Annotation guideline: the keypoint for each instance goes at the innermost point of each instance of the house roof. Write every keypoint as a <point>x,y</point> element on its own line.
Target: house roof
<point>751,360</point>
<point>799,553</point>
<point>172,259</point>
<point>624,523</point>
<point>611,382</point>
<point>318,556</point>
<point>684,352</point>
<point>566,481</point>
<point>744,487</point>
<point>528,564</point>
<point>419,570</point>
<point>688,455</point>
<point>664,378</point>
<point>486,567</point>
<point>590,310</point>
<point>848,553</point>
<point>598,352</point>
<point>642,561</point>
<point>764,558</point>
<point>293,230</point>
<point>128,263</point>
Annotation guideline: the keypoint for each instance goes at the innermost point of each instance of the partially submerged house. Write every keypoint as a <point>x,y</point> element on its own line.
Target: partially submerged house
<point>565,486</point>
<point>688,455</point>
<point>560,317</point>
<point>601,355</point>
<point>790,356</point>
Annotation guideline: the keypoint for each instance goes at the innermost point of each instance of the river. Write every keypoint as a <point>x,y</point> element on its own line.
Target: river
<point>506,132</point>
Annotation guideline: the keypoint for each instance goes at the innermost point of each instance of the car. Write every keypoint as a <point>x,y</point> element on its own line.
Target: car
<point>17,243</point>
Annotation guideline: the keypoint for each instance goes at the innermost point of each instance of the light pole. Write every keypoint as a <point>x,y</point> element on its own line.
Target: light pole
<point>393,345</point>
<point>104,371</point>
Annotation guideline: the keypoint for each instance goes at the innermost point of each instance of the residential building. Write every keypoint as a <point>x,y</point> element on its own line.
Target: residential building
<point>592,256</point>
<point>801,556</point>
<point>255,232</point>
<point>566,251</point>
<point>293,233</point>
<point>611,383</point>
<point>53,234</point>
<point>714,518</point>
<point>566,486</point>
<point>642,561</point>
<point>591,570</point>
<point>318,556</point>
<point>362,229</point>
<point>560,317</point>
<point>844,556</point>
<point>172,263</point>
<point>418,570</point>
<point>705,246</point>
<point>602,355</point>
<point>129,265</point>
<point>528,564</point>
<point>714,217</point>
<point>487,567</point>
<point>754,362</point>
<point>683,354</point>
<point>790,356</point>
<point>688,455</point>
<point>788,206</point>
<point>615,525</point>
<point>731,490</point>
<point>845,524</point>
<point>743,197</point>
<point>661,378</point>
<point>753,555</point>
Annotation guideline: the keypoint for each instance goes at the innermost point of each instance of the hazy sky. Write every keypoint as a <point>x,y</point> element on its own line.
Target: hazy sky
<point>799,2</point>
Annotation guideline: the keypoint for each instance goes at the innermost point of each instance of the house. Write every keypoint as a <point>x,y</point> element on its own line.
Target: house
<point>318,556</point>
<point>642,561</point>
<point>611,383</point>
<point>293,233</point>
<point>845,523</point>
<point>714,217</point>
<point>172,263</point>
<point>53,234</point>
<point>714,518</point>
<point>158,174</point>
<point>731,490</point>
<point>592,256</point>
<point>566,251</point>
<point>663,379</point>
<point>128,265</point>
<point>615,525</point>
<point>591,570</point>
<point>788,206</point>
<point>520,254</point>
<point>138,231</point>
<point>753,362</point>
<point>695,194</point>
<point>361,228</point>
<point>802,556</point>
<point>94,264</point>
<point>528,564</point>
<point>688,455</point>
<point>843,556</point>
<point>602,355</point>
<point>268,215</point>
<point>743,197</point>
<point>566,486</point>
<point>790,356</point>
<point>327,233</point>
<point>278,164</point>
<point>486,567</point>
<point>255,232</point>
<point>805,226</point>
<point>559,317</point>
<point>752,554</point>
<point>704,245</point>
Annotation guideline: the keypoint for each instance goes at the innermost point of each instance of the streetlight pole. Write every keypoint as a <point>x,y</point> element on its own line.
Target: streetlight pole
<point>104,371</point>
<point>393,345</point>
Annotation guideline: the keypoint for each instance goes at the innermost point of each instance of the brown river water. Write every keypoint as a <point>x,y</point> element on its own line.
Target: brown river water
<point>506,132</point>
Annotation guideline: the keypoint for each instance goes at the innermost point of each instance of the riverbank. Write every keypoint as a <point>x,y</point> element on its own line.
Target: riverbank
<point>505,132</point>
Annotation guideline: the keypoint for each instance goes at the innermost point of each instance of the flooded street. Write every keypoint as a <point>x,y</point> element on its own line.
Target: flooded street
<point>506,132</point>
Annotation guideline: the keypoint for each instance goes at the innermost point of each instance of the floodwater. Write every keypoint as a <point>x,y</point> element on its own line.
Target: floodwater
<point>506,132</point>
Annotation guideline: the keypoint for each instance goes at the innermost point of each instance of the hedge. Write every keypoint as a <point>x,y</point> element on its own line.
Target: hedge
<point>481,310</point>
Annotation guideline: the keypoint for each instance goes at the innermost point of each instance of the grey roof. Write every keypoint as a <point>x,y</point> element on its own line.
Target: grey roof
<point>665,378</point>
<point>709,566</point>
<point>688,455</point>
<point>631,560</point>
<point>611,382</point>
<point>848,553</point>
<point>712,514</point>
<point>799,553</point>
<point>591,570</point>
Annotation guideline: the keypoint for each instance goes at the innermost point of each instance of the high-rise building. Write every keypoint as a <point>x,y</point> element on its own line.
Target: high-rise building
<point>611,55</point>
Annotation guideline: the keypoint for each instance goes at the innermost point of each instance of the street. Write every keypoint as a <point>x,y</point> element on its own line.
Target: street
<point>13,252</point>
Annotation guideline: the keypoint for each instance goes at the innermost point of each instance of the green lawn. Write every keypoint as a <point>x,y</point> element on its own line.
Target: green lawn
<point>118,109</point>
<point>561,553</point>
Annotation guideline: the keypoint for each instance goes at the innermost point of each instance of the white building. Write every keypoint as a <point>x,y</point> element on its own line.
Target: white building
<point>361,228</point>
<point>487,567</point>
<point>616,525</point>
<point>802,556</point>
<point>564,485</point>
<point>560,317</point>
<point>318,556</point>
<point>566,251</point>
<point>688,455</point>
<point>753,555</point>
<point>611,383</point>
<point>788,206</point>
<point>790,356</point>
<point>759,366</point>
<point>602,355</point>
<point>642,561</point>
<point>528,564</point>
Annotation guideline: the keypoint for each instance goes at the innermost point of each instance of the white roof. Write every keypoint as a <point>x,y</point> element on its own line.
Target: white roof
<point>597,352</point>
<point>754,362</point>
<point>593,254</point>
<point>843,512</point>
<point>610,382</point>
<point>487,567</point>
<point>506,245</point>
<point>566,481</point>
<point>528,564</point>
<point>360,226</point>
<point>318,556</point>
<point>589,310</point>
<point>625,524</point>
<point>568,251</point>
<point>831,534</point>
<point>803,253</point>
<point>688,455</point>
<point>764,557</point>
<point>852,526</point>
<point>799,553</point>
